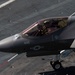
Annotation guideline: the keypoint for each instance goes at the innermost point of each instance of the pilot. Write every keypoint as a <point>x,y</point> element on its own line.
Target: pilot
<point>48,26</point>
<point>42,29</point>
<point>47,23</point>
<point>51,26</point>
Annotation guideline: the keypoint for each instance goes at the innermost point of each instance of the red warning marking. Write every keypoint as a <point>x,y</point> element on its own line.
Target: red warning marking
<point>3,64</point>
<point>6,62</point>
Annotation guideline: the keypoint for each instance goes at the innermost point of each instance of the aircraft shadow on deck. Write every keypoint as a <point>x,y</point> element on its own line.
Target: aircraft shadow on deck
<point>64,71</point>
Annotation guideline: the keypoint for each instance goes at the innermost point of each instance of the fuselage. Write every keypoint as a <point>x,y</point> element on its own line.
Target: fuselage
<point>35,40</point>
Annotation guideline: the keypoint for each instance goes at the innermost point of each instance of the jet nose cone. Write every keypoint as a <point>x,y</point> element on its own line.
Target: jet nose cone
<point>9,40</point>
<point>6,45</point>
<point>6,41</point>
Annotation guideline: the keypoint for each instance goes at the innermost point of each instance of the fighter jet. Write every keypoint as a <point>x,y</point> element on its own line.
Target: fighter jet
<point>45,37</point>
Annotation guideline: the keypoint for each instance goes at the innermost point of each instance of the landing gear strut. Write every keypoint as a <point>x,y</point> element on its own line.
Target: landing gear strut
<point>56,65</point>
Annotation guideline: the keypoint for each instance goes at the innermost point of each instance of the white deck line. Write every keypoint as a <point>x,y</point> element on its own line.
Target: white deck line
<point>12,57</point>
<point>6,3</point>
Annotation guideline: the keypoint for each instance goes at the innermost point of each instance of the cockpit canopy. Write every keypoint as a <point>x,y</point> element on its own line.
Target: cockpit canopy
<point>45,26</point>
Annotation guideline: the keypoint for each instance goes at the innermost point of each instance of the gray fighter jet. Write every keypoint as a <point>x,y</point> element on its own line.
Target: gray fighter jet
<point>45,37</point>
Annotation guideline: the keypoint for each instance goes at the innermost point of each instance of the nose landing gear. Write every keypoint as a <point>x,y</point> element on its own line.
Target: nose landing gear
<point>56,65</point>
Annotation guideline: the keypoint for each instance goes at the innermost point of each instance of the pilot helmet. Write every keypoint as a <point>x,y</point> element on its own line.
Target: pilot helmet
<point>47,23</point>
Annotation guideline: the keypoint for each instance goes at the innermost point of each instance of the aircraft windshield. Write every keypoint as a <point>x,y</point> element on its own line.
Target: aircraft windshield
<point>45,27</point>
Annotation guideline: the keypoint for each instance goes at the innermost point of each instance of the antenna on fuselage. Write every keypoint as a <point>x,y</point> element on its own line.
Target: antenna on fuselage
<point>72,17</point>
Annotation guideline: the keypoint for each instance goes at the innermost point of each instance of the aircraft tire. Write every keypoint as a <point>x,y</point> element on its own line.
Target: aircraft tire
<point>56,65</point>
